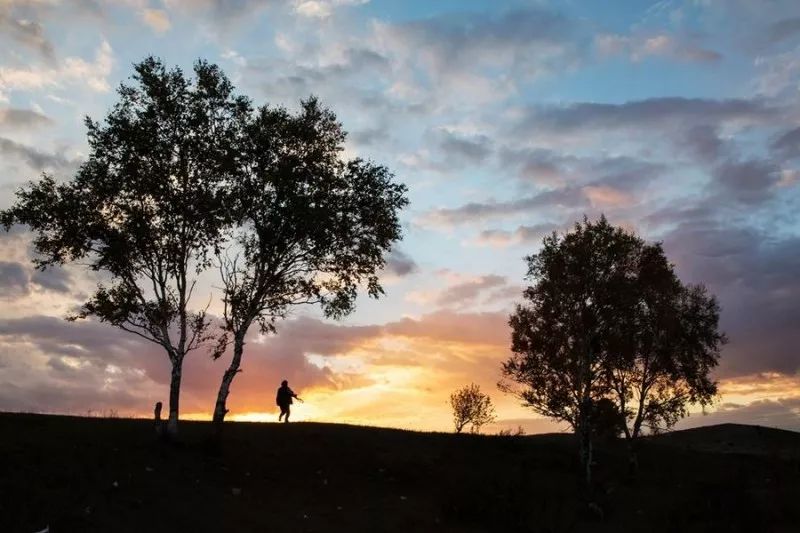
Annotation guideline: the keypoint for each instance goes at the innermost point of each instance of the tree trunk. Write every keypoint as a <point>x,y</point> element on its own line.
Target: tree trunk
<point>174,397</point>
<point>633,457</point>
<point>585,439</point>
<point>220,409</point>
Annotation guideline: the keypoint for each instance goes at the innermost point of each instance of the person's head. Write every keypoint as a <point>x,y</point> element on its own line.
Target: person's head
<point>284,383</point>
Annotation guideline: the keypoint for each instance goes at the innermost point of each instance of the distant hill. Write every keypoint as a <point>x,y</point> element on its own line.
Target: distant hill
<point>111,475</point>
<point>736,438</point>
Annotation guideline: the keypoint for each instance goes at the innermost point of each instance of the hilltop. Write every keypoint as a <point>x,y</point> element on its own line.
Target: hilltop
<point>90,474</point>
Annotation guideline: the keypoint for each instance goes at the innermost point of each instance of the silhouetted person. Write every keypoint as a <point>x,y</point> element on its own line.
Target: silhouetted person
<point>284,400</point>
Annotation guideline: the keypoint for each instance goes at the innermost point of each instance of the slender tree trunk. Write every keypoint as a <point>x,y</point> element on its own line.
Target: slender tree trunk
<point>174,396</point>
<point>585,438</point>
<point>633,456</point>
<point>220,409</point>
<point>585,416</point>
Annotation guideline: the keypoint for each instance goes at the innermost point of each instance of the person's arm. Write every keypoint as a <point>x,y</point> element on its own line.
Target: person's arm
<point>296,396</point>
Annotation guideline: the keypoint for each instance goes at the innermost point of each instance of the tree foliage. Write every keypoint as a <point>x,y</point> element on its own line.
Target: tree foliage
<point>311,228</point>
<point>147,207</point>
<point>471,407</point>
<point>606,319</point>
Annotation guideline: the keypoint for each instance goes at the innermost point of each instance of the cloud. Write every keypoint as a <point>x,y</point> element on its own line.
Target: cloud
<point>640,47</point>
<point>467,149</point>
<point>457,53</point>
<point>605,196</point>
<point>788,144</point>
<point>13,280</point>
<point>467,291</point>
<point>748,182</point>
<point>702,142</point>
<point>221,13</point>
<point>400,263</point>
<point>456,291</point>
<point>783,29</point>
<point>754,275</point>
<point>322,8</point>
<point>17,280</point>
<point>499,238</point>
<point>568,197</point>
<point>650,113</point>
<point>14,119</point>
<point>35,159</point>
<point>447,325</point>
<point>157,19</point>
<point>779,74</point>
<point>73,70</point>
<point>25,32</point>
<point>342,73</point>
<point>53,278</point>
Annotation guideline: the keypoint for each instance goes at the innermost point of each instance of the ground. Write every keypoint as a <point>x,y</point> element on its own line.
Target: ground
<point>93,474</point>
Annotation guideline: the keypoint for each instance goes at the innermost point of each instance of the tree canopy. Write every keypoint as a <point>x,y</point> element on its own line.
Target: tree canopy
<point>310,227</point>
<point>471,407</point>
<point>147,207</point>
<point>606,318</point>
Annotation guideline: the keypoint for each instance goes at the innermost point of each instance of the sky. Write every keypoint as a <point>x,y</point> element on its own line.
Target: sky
<point>679,120</point>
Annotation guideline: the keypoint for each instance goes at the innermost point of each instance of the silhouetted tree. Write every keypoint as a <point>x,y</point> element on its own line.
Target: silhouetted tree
<point>312,228</point>
<point>146,208</point>
<point>471,406</point>
<point>608,320</point>
<point>669,344</point>
<point>560,338</point>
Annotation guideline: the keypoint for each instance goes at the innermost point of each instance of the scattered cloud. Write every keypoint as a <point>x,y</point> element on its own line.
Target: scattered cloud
<point>13,280</point>
<point>499,238</point>
<point>400,264</point>
<point>73,70</point>
<point>569,197</point>
<point>650,113</point>
<point>25,32</point>
<point>322,8</point>
<point>753,274</point>
<point>34,158</point>
<point>157,19</point>
<point>16,119</point>
<point>784,29</point>
<point>639,48</point>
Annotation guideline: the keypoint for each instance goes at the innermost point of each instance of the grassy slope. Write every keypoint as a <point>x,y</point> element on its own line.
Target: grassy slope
<point>79,474</point>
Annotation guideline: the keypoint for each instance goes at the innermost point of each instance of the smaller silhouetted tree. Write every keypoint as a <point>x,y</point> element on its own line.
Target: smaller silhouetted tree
<point>471,406</point>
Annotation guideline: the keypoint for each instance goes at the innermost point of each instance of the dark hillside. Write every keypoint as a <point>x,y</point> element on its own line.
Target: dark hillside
<point>84,474</point>
<point>736,438</point>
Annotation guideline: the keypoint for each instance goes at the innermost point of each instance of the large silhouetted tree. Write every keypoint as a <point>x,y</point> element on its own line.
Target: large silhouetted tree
<point>311,227</point>
<point>146,208</point>
<point>606,318</point>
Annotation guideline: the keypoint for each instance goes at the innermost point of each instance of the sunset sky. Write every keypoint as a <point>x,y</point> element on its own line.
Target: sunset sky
<point>507,120</point>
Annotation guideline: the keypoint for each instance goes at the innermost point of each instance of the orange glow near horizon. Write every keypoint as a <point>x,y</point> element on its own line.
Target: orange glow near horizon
<point>416,396</point>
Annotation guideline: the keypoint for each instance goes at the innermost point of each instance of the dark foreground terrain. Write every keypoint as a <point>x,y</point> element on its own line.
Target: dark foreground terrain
<point>90,474</point>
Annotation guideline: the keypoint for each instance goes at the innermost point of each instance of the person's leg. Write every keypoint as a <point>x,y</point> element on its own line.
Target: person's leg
<point>283,412</point>
<point>288,411</point>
